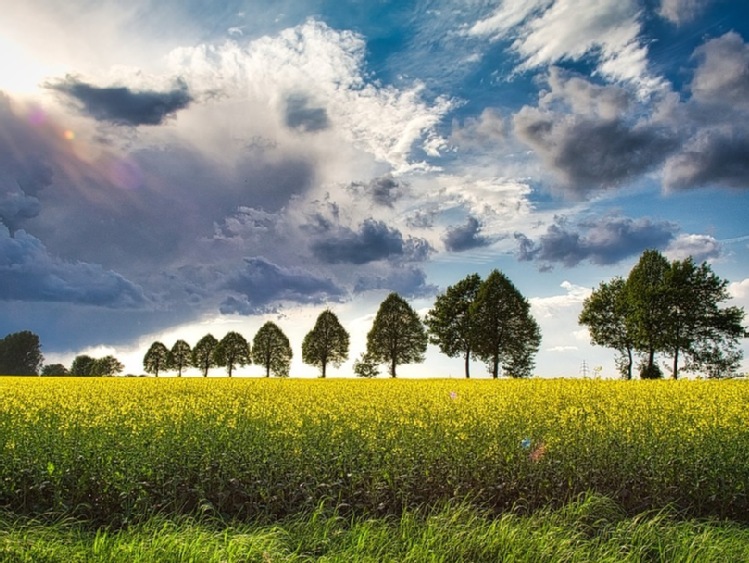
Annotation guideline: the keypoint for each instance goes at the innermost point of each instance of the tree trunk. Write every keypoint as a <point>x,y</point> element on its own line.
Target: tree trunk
<point>495,370</point>
<point>675,375</point>
<point>324,365</point>
<point>629,365</point>
<point>468,369</point>
<point>231,367</point>
<point>392,367</point>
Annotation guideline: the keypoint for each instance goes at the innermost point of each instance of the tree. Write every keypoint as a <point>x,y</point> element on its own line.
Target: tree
<point>397,335</point>
<point>20,354</point>
<point>180,356</point>
<point>54,370</point>
<point>82,365</point>
<point>697,327</point>
<point>606,314</point>
<point>327,342</point>
<point>271,349</point>
<point>450,322</point>
<point>156,359</point>
<point>505,332</point>
<point>366,367</point>
<point>108,365</point>
<point>202,354</point>
<point>649,313</point>
<point>232,350</point>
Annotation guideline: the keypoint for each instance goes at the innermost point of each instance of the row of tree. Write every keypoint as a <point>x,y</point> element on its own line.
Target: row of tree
<point>668,308</point>
<point>486,319</point>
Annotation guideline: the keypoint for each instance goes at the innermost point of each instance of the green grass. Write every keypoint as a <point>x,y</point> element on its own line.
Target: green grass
<point>593,528</point>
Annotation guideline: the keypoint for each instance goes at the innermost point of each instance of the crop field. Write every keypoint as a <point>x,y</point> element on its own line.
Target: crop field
<point>118,451</point>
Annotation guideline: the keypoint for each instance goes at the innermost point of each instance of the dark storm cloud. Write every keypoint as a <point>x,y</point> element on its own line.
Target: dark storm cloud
<point>465,237</point>
<point>409,282</point>
<point>301,115</point>
<point>374,241</point>
<point>263,285</point>
<point>602,241</point>
<point>124,106</point>
<point>29,273</point>
<point>589,152</point>
<point>716,159</point>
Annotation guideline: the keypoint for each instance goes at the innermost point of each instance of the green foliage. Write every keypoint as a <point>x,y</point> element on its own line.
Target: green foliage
<point>232,350</point>
<point>82,365</point>
<point>54,370</point>
<point>364,366</point>
<point>180,356</point>
<point>202,354</point>
<point>505,332</point>
<point>397,335</point>
<point>272,350</point>
<point>327,342</point>
<point>450,322</point>
<point>606,314</point>
<point>667,308</point>
<point>590,528</point>
<point>156,359</point>
<point>108,365</point>
<point>20,354</point>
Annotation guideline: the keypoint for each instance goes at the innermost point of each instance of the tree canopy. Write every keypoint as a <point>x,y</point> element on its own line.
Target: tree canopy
<point>20,354</point>
<point>450,322</point>
<point>272,350</point>
<point>232,350</point>
<point>606,314</point>
<point>327,343</point>
<point>180,356</point>
<point>504,331</point>
<point>671,308</point>
<point>156,359</point>
<point>397,335</point>
<point>202,355</point>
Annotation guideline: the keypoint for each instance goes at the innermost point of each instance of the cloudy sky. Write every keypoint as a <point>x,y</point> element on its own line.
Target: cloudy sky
<point>171,168</point>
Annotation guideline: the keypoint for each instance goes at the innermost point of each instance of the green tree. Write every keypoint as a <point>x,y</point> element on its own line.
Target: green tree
<point>327,342</point>
<point>505,332</point>
<point>271,349</point>
<point>20,354</point>
<point>232,350</point>
<point>108,365</point>
<point>82,365</point>
<point>202,354</point>
<point>649,314</point>
<point>606,314</point>
<point>706,334</point>
<point>180,356</point>
<point>156,359</point>
<point>450,322</point>
<point>364,366</point>
<point>397,335</point>
<point>54,370</point>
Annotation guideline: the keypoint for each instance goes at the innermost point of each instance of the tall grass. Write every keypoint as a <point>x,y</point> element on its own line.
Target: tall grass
<point>592,528</point>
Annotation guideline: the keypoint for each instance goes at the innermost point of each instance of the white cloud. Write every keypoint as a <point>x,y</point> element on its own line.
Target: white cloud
<point>324,67</point>
<point>680,12</point>
<point>547,32</point>
<point>699,247</point>
<point>552,307</point>
<point>739,291</point>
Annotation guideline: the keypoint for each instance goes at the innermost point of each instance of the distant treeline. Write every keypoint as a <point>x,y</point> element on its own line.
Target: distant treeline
<point>662,309</point>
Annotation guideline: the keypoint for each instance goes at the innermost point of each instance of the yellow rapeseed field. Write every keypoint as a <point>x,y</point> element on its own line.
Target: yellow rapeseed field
<point>116,450</point>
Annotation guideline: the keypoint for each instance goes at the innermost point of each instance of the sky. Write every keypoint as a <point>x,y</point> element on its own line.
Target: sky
<point>172,168</point>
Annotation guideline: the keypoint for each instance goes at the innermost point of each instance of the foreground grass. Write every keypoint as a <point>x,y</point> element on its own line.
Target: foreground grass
<point>593,528</point>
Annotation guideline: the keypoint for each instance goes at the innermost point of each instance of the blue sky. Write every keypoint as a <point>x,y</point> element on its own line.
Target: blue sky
<point>172,168</point>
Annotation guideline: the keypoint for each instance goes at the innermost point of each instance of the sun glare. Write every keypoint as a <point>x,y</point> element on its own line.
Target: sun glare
<point>21,73</point>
